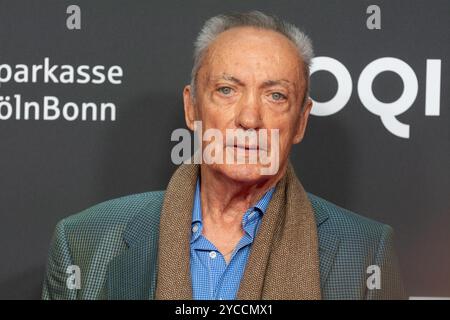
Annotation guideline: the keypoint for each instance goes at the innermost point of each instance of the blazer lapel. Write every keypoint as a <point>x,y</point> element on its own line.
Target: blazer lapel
<point>328,241</point>
<point>132,274</point>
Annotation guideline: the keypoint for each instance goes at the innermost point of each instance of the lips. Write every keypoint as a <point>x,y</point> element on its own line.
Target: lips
<point>250,147</point>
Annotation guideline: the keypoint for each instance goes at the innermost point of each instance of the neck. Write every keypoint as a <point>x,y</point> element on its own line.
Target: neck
<point>224,201</point>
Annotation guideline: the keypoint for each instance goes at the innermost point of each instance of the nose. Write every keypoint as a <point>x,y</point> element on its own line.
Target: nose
<point>248,115</point>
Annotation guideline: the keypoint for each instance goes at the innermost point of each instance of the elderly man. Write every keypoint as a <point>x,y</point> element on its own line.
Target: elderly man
<point>227,229</point>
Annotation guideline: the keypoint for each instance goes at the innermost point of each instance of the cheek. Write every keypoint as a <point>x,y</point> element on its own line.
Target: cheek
<point>217,118</point>
<point>283,122</point>
<point>285,140</point>
<point>286,129</point>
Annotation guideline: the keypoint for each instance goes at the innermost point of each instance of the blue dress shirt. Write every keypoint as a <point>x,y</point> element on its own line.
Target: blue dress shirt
<point>212,278</point>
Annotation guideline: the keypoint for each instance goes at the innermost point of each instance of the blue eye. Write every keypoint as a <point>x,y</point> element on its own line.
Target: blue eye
<point>225,90</point>
<point>278,96</point>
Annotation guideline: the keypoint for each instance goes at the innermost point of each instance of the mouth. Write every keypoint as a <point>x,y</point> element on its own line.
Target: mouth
<point>246,147</point>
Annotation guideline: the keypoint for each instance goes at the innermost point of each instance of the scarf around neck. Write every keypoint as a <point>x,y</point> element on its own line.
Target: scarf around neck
<point>283,263</point>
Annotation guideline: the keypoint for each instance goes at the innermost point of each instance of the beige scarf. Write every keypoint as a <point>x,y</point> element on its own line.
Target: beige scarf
<point>284,259</point>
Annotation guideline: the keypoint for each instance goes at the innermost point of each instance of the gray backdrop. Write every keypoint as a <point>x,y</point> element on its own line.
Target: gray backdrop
<point>52,169</point>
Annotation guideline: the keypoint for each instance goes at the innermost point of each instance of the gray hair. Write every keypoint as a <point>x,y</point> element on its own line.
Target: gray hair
<point>220,23</point>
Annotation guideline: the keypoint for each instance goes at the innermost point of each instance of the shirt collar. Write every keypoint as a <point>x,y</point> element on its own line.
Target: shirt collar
<point>197,209</point>
<point>263,203</point>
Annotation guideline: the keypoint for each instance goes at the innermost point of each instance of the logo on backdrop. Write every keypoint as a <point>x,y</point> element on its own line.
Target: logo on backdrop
<point>16,106</point>
<point>387,111</point>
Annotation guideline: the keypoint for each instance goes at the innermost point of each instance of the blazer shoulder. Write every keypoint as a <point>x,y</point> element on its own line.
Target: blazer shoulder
<point>93,237</point>
<point>113,214</point>
<point>348,245</point>
<point>346,223</point>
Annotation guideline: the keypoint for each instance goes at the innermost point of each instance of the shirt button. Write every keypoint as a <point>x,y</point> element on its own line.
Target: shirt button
<point>194,228</point>
<point>212,254</point>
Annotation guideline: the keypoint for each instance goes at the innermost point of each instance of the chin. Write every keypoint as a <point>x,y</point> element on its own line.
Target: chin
<point>245,173</point>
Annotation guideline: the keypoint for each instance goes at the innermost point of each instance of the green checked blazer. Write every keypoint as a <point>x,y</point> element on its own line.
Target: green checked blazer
<point>114,244</point>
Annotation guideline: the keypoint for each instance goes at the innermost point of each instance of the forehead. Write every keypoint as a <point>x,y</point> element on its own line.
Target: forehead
<point>250,53</point>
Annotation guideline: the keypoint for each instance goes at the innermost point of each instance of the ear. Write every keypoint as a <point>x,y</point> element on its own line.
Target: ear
<point>303,121</point>
<point>189,108</point>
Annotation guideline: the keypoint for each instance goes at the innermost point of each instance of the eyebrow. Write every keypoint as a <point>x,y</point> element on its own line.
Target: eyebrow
<point>271,83</point>
<point>267,83</point>
<point>229,78</point>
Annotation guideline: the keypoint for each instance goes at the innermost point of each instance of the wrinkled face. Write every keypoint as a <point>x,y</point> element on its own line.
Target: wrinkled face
<point>250,79</point>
